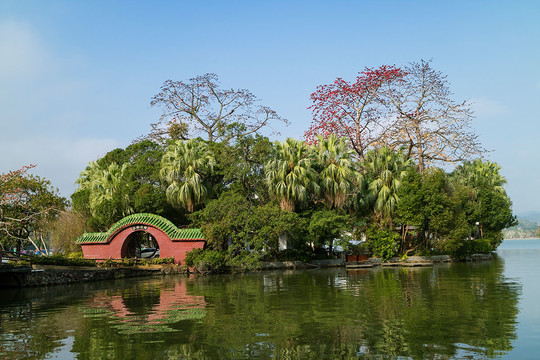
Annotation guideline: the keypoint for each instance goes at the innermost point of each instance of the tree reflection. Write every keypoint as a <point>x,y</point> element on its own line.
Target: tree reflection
<point>440,312</point>
<point>447,311</point>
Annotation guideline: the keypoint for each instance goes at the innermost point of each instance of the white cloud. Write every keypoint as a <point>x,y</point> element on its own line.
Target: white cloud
<point>487,107</point>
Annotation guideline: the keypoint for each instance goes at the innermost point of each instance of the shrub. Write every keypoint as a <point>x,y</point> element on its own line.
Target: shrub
<point>136,262</point>
<point>161,261</point>
<point>62,260</point>
<point>108,263</point>
<point>76,255</point>
<point>244,261</point>
<point>191,257</point>
<point>207,261</point>
<point>383,243</point>
<point>128,262</point>
<point>471,247</point>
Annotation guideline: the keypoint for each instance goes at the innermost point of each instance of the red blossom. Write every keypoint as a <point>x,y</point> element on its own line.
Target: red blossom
<point>353,110</point>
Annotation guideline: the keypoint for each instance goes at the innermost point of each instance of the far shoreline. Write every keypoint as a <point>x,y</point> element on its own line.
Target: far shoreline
<point>527,238</point>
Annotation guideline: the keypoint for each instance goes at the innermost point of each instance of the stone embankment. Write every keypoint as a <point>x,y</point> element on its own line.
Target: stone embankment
<point>411,261</point>
<point>50,275</point>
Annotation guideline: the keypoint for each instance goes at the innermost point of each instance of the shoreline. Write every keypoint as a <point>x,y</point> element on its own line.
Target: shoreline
<point>53,275</point>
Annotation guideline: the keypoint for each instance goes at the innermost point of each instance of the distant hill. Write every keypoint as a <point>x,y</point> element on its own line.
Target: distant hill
<point>533,216</point>
<point>527,226</point>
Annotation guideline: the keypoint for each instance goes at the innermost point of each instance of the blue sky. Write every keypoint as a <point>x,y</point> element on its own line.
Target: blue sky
<point>76,77</point>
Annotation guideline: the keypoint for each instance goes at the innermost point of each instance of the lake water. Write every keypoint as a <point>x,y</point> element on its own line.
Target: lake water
<point>463,310</point>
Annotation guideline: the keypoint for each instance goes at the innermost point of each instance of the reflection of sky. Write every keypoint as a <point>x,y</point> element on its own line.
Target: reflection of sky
<point>522,264</point>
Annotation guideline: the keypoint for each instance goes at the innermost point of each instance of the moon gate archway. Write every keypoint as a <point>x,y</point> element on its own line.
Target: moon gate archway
<point>172,241</point>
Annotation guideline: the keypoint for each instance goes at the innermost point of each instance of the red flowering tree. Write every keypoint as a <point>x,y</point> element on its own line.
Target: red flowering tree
<point>354,110</point>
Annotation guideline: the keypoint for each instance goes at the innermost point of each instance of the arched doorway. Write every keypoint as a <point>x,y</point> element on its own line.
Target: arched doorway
<point>141,245</point>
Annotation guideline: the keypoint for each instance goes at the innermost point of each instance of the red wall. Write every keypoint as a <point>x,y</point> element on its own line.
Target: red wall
<point>116,248</point>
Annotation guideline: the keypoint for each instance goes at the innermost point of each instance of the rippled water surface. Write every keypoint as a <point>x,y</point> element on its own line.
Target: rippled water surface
<point>463,310</point>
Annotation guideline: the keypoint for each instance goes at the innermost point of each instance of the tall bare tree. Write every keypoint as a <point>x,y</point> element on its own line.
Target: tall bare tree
<point>431,126</point>
<point>200,106</point>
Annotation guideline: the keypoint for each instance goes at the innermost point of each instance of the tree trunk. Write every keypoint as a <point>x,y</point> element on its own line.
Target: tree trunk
<point>44,245</point>
<point>33,243</point>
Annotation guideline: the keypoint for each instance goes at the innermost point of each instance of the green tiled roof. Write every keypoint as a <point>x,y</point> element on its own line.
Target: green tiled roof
<point>145,219</point>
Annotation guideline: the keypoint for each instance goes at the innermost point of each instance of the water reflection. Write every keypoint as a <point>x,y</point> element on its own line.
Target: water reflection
<point>452,310</point>
<point>152,306</point>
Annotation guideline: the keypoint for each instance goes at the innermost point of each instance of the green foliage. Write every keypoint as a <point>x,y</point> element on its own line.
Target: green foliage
<point>233,221</point>
<point>240,167</point>
<point>231,187</point>
<point>411,200</point>
<point>471,247</point>
<point>27,204</point>
<point>63,260</point>
<point>327,225</point>
<point>489,204</point>
<point>384,172</point>
<point>303,253</point>
<point>334,164</point>
<point>130,262</point>
<point>290,175</point>
<point>191,256</point>
<point>213,261</point>
<point>206,261</point>
<point>184,166</point>
<point>161,261</point>
<point>76,255</point>
<point>383,243</point>
<point>243,260</point>
<point>138,189</point>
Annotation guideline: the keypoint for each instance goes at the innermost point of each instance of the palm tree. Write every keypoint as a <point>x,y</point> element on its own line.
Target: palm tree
<point>85,177</point>
<point>479,174</point>
<point>337,170</point>
<point>482,177</point>
<point>290,175</point>
<point>385,169</point>
<point>183,166</point>
<point>102,183</point>
<point>106,183</point>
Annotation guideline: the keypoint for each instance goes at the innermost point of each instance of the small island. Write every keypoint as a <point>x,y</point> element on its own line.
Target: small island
<point>370,178</point>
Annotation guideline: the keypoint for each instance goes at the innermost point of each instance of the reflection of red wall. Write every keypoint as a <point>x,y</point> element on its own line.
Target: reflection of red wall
<point>176,298</point>
<point>169,299</point>
<point>116,249</point>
